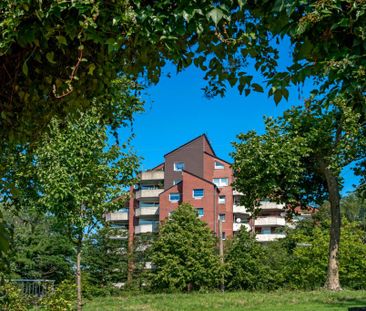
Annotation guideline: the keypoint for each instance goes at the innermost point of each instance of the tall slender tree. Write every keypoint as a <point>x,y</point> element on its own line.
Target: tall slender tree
<point>81,176</point>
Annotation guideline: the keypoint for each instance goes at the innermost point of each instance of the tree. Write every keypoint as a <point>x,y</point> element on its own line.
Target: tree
<point>307,255</point>
<point>81,178</point>
<point>246,265</point>
<point>40,250</point>
<point>354,208</point>
<point>184,254</point>
<point>105,257</point>
<point>58,56</point>
<point>298,161</point>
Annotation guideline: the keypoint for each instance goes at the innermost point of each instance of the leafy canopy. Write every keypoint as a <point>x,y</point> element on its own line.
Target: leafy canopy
<point>287,162</point>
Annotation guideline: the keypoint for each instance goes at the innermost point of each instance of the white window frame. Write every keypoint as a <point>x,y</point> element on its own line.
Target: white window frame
<point>219,166</point>
<point>223,219</point>
<point>222,199</point>
<point>176,169</point>
<point>198,197</point>
<point>174,193</point>
<point>220,183</point>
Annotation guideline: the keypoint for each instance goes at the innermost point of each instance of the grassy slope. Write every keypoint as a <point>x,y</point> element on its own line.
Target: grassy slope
<point>273,301</point>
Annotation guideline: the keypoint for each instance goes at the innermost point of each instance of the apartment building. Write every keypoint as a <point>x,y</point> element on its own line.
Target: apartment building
<point>194,174</point>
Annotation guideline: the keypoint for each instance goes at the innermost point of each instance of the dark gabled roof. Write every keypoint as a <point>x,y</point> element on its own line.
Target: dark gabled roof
<point>202,135</point>
<point>170,187</point>
<point>214,156</point>
<point>205,180</point>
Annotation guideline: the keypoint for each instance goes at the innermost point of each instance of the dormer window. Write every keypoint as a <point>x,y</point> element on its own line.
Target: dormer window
<point>219,166</point>
<point>178,166</point>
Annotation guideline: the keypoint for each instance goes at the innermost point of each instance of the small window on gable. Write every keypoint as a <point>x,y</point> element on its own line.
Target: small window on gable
<point>222,217</point>
<point>222,199</point>
<point>198,193</point>
<point>178,166</point>
<point>219,166</point>
<point>174,197</point>
<point>200,212</point>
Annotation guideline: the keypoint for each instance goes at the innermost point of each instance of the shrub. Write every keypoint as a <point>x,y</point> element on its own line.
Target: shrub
<point>12,299</point>
<point>63,298</point>
<point>246,264</point>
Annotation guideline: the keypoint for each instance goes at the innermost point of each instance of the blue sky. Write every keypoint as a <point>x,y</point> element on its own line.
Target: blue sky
<point>177,111</point>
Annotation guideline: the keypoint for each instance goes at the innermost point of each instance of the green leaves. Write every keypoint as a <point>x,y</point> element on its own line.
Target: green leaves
<point>184,253</point>
<point>216,15</point>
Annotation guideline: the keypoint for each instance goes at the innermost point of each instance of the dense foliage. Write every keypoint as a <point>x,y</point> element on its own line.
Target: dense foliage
<point>59,56</point>
<point>248,266</point>
<point>307,253</point>
<point>184,254</point>
<point>104,259</point>
<point>40,250</point>
<point>299,160</point>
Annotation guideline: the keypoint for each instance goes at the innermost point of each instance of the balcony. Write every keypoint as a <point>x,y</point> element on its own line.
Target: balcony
<point>146,228</point>
<point>147,211</point>
<point>239,209</point>
<point>235,192</point>
<point>238,226</point>
<point>270,221</point>
<point>269,237</point>
<point>148,193</point>
<point>152,175</point>
<point>117,216</point>
<point>271,205</point>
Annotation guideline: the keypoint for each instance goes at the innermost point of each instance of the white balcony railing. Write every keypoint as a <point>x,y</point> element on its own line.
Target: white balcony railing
<point>148,193</point>
<point>146,228</point>
<point>270,221</point>
<point>238,226</point>
<point>239,209</point>
<point>152,175</point>
<point>271,205</point>
<point>147,211</point>
<point>269,237</point>
<point>117,216</point>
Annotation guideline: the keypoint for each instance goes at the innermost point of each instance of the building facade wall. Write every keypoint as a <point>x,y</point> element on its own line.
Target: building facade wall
<point>192,156</point>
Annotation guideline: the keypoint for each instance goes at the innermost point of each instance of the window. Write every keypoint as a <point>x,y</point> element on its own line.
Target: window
<point>148,204</point>
<point>198,193</point>
<point>174,197</point>
<point>222,217</point>
<point>221,182</point>
<point>223,236</point>
<point>178,166</point>
<point>200,212</point>
<point>219,166</point>
<point>176,181</point>
<point>222,199</point>
<point>266,231</point>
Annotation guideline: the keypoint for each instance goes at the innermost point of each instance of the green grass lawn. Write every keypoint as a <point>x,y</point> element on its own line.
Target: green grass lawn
<point>230,301</point>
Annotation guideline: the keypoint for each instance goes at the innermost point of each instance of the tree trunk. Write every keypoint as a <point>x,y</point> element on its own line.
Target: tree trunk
<point>332,281</point>
<point>78,276</point>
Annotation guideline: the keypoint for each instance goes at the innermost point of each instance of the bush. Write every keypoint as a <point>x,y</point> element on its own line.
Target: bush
<point>247,265</point>
<point>63,298</point>
<point>12,299</point>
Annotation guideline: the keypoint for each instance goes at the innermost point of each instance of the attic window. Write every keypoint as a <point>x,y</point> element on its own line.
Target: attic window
<point>219,166</point>
<point>178,166</point>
